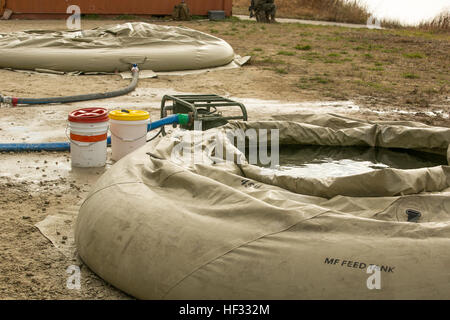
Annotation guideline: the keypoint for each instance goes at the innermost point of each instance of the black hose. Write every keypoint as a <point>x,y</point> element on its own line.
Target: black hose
<point>156,135</point>
<point>84,97</point>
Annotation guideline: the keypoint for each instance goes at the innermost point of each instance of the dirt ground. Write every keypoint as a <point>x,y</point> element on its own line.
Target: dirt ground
<point>367,74</point>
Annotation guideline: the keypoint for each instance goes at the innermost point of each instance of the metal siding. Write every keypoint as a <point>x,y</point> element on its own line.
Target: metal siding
<point>144,7</point>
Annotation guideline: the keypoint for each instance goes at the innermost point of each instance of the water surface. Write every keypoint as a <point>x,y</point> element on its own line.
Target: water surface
<point>322,161</point>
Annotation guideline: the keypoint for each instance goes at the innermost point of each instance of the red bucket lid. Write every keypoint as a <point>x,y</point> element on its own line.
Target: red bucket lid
<point>89,115</point>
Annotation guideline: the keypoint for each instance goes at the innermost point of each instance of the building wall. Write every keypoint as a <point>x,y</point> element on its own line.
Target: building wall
<point>41,8</point>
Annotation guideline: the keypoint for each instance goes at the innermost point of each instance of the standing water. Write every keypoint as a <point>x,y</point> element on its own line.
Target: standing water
<point>323,161</point>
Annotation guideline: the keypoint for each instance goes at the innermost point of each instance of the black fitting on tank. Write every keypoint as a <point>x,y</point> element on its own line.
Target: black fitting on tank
<point>413,215</point>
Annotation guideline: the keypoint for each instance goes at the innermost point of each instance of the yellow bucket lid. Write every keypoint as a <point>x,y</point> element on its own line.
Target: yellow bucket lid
<point>129,115</point>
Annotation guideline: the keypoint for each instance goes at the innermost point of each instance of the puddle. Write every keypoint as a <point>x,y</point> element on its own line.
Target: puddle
<point>35,167</point>
<point>48,123</point>
<point>153,97</point>
<point>435,113</point>
<point>323,162</point>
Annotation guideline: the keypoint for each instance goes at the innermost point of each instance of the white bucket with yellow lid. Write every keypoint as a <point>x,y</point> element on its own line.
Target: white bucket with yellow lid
<point>128,131</point>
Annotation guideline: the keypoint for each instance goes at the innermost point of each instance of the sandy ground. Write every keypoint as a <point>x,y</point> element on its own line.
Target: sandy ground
<point>36,185</point>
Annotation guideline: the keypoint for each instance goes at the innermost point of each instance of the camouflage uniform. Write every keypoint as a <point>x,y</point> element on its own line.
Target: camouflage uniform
<point>270,9</point>
<point>258,9</point>
<point>265,10</point>
<point>181,12</point>
<point>252,8</point>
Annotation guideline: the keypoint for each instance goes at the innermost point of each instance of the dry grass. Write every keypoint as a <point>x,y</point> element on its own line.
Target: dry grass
<point>328,10</point>
<point>440,23</point>
<point>341,11</point>
<point>401,68</point>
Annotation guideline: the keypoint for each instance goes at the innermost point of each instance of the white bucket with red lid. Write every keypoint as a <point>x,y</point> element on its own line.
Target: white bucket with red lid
<point>88,137</point>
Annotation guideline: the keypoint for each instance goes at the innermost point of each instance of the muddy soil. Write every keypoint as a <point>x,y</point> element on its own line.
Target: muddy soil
<point>281,82</point>
<point>34,186</point>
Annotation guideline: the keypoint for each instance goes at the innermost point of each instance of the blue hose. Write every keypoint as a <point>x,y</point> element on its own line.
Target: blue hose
<point>65,146</point>
<point>164,121</point>
<point>24,147</point>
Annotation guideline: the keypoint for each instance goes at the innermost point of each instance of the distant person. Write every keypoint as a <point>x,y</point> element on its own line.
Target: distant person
<point>181,12</point>
<point>251,9</point>
<point>258,10</point>
<point>270,10</point>
<point>265,10</point>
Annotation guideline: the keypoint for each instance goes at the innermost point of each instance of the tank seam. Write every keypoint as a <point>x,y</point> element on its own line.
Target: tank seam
<point>121,183</point>
<point>237,247</point>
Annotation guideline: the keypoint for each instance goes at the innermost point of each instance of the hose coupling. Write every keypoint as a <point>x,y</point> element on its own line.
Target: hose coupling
<point>134,68</point>
<point>6,100</point>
